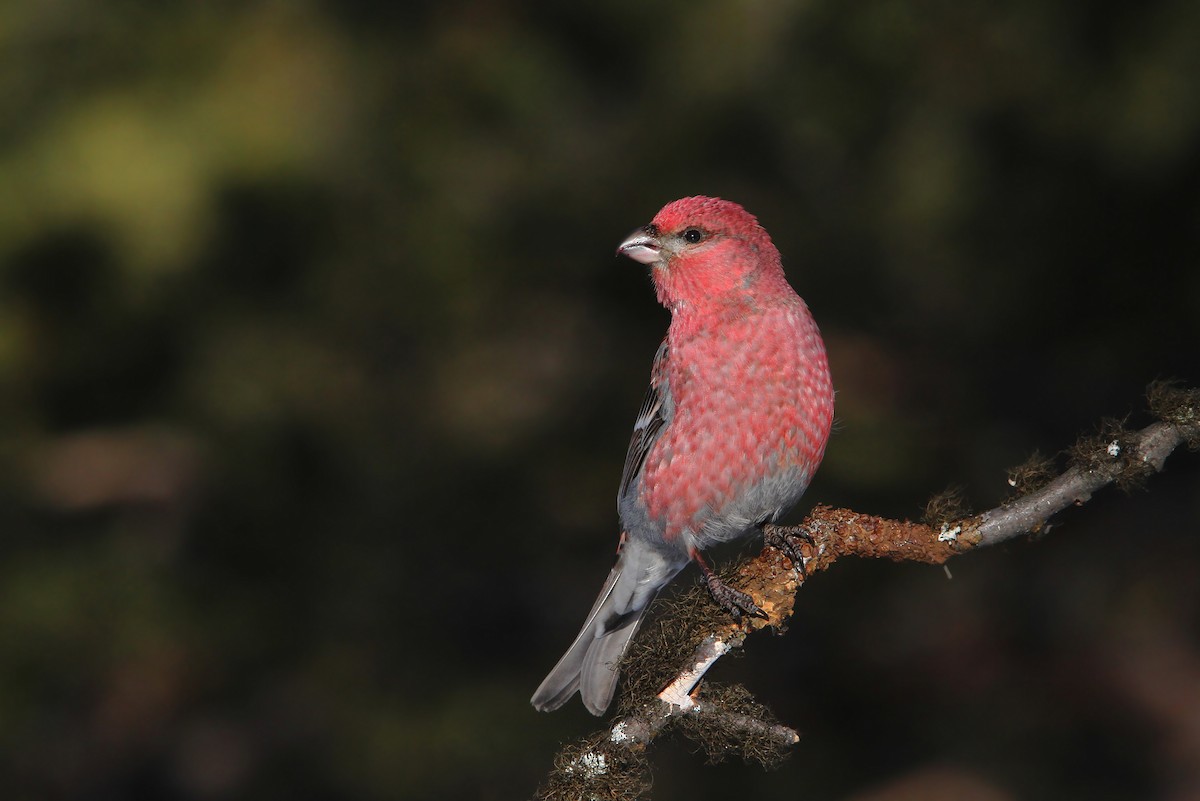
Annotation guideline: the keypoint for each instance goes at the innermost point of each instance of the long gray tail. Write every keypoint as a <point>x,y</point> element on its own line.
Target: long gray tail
<point>590,664</point>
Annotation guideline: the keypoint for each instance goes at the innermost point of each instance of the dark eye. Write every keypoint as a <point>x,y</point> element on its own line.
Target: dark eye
<point>693,235</point>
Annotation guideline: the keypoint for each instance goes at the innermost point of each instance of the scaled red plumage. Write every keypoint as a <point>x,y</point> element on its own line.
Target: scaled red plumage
<point>732,429</point>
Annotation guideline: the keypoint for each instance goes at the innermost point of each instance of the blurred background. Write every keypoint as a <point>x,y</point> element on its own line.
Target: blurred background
<point>317,372</point>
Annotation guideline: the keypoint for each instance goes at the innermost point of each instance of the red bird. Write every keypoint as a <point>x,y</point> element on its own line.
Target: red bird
<point>730,434</point>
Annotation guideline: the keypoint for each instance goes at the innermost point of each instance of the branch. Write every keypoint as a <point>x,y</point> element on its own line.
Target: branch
<point>1128,460</point>
<point>691,638</point>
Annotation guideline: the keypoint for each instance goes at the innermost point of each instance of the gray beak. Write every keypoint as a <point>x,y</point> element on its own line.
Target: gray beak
<point>642,245</point>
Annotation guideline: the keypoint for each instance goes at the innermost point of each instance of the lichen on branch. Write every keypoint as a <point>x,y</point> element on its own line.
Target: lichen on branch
<point>690,634</point>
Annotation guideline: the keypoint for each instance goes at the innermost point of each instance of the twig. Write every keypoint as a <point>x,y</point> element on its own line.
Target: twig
<point>749,724</point>
<point>679,692</point>
<point>1147,450</point>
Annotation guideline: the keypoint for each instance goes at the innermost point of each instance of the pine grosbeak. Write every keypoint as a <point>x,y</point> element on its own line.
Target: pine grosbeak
<point>732,429</point>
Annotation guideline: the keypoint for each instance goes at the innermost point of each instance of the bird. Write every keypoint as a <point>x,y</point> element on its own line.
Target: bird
<point>730,433</point>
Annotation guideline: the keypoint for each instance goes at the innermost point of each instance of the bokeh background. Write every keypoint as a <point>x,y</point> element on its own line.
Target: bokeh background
<point>317,372</point>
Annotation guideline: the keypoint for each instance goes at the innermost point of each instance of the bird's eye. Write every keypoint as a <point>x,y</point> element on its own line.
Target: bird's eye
<point>693,235</point>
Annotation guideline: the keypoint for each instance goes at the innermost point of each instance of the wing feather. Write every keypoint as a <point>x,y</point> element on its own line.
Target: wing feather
<point>657,410</point>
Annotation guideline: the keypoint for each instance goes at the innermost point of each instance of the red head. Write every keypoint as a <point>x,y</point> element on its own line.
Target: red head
<point>707,252</point>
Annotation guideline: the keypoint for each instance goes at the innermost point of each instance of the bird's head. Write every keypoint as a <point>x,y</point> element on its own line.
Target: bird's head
<point>706,252</point>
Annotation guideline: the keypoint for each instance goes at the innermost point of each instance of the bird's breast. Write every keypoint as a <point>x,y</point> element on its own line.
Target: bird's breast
<point>753,406</point>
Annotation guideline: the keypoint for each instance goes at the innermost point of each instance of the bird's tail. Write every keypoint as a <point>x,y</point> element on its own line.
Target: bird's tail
<point>590,664</point>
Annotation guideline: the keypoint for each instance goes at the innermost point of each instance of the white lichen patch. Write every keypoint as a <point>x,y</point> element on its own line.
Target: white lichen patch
<point>590,765</point>
<point>948,533</point>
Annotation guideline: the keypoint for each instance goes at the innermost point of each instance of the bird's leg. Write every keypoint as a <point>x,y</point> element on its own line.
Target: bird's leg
<point>787,539</point>
<point>733,601</point>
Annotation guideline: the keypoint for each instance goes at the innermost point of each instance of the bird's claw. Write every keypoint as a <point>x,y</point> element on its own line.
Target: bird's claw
<point>735,602</point>
<point>787,540</point>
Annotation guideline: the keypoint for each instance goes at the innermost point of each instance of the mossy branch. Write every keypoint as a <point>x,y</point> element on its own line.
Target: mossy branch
<point>663,671</point>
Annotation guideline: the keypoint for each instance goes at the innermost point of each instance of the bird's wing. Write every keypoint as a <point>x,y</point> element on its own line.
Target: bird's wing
<point>656,412</point>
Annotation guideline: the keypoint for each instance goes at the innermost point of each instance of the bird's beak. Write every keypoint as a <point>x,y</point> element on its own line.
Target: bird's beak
<point>642,245</point>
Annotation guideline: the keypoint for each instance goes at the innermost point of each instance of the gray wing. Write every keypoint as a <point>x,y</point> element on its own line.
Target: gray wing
<point>657,410</point>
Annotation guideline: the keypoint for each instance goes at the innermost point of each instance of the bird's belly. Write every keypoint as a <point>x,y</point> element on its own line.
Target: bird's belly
<point>711,484</point>
<point>751,415</point>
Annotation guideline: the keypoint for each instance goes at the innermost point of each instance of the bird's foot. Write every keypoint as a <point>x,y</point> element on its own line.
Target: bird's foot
<point>787,540</point>
<point>735,602</point>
